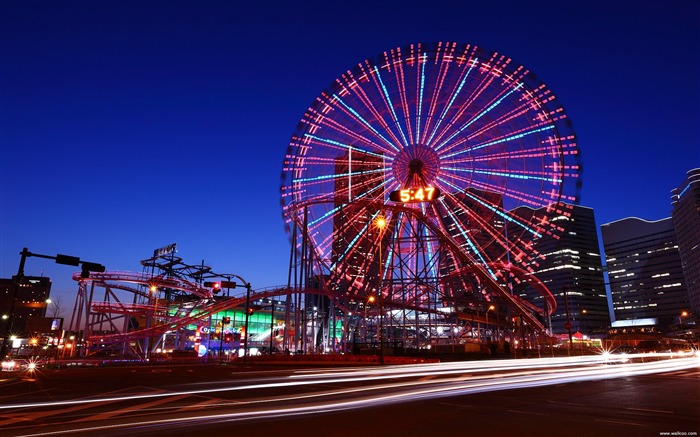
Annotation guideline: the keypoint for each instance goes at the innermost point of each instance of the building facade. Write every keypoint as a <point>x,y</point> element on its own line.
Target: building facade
<point>30,295</point>
<point>572,270</point>
<point>686,220</point>
<point>645,271</point>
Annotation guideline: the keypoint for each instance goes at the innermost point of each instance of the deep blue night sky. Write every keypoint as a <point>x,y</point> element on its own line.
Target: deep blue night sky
<point>130,125</point>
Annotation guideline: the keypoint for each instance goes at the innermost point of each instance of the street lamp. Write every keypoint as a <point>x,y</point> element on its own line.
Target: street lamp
<point>313,330</point>
<point>491,308</point>
<point>154,295</point>
<point>369,301</point>
<point>380,223</point>
<point>34,342</point>
<point>683,314</point>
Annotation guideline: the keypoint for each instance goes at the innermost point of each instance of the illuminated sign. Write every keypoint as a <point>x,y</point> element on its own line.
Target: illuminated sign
<point>415,195</point>
<point>167,250</point>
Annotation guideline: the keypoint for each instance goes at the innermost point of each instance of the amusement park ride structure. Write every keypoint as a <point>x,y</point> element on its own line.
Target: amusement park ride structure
<point>466,157</point>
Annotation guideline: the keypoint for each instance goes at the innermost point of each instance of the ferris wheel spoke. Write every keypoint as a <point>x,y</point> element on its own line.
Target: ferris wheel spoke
<point>463,234</point>
<point>436,97</point>
<point>379,83</point>
<point>507,193</point>
<point>498,160</point>
<point>361,234</point>
<point>368,104</point>
<point>402,90</point>
<point>479,89</point>
<point>431,245</point>
<point>325,177</point>
<point>377,187</point>
<point>531,111</point>
<point>478,116</point>
<point>455,92</point>
<point>420,86</point>
<point>366,100</point>
<point>361,144</point>
<point>480,222</point>
<point>523,175</point>
<point>501,212</point>
<point>352,113</point>
<point>499,237</point>
<point>374,191</point>
<point>506,139</point>
<point>522,112</point>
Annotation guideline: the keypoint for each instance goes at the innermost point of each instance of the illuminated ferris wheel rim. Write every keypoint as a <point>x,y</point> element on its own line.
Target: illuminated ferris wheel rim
<point>375,139</point>
<point>480,128</point>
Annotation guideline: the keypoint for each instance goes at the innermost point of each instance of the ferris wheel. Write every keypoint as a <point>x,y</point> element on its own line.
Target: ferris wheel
<point>455,148</point>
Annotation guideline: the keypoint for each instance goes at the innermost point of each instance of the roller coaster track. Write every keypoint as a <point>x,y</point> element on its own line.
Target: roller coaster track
<point>206,304</point>
<point>185,313</point>
<point>524,308</point>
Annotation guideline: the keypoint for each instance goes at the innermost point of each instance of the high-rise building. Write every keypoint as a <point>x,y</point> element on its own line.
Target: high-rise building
<point>686,221</point>
<point>29,295</point>
<point>644,270</point>
<point>351,256</point>
<point>572,270</point>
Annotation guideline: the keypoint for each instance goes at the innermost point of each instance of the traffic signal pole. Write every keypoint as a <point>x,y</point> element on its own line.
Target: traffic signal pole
<point>86,268</point>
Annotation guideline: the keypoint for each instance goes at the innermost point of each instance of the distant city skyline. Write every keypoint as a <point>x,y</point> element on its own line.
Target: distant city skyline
<point>128,127</point>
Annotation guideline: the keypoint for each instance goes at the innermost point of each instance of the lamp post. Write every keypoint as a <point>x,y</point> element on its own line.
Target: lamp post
<point>491,308</point>
<point>313,330</point>
<point>247,315</point>
<point>153,289</point>
<point>680,318</point>
<point>380,223</point>
<point>34,342</point>
<point>369,301</point>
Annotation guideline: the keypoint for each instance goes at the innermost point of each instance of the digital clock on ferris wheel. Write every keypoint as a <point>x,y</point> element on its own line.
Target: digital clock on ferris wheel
<point>415,195</point>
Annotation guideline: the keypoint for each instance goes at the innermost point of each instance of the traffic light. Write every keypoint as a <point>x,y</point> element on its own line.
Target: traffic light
<point>67,260</point>
<point>226,320</point>
<point>251,310</point>
<point>92,267</point>
<point>228,284</point>
<point>228,337</point>
<point>215,286</point>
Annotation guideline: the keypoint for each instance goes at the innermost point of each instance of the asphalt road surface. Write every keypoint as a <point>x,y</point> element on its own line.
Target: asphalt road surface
<point>551,397</point>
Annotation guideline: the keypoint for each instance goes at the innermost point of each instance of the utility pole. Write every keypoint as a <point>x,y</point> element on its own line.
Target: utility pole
<point>247,314</point>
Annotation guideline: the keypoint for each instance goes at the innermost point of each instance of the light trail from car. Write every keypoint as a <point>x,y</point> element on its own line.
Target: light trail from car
<point>382,386</point>
<point>328,376</point>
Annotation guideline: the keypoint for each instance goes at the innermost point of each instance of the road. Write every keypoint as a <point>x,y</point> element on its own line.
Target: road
<point>578,396</point>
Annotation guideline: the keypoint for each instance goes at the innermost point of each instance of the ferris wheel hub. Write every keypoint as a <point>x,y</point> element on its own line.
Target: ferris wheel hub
<point>415,166</point>
<point>416,160</point>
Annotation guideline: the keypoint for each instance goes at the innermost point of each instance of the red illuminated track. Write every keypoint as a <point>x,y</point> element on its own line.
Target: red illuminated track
<point>169,317</point>
<point>116,278</point>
